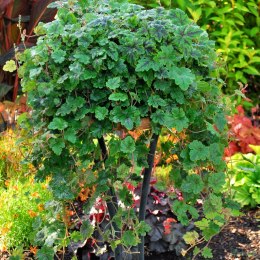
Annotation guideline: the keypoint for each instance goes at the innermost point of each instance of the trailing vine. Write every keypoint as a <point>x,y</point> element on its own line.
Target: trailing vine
<point>97,72</point>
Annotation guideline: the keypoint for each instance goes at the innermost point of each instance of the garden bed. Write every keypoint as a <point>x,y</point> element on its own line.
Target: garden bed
<point>239,240</point>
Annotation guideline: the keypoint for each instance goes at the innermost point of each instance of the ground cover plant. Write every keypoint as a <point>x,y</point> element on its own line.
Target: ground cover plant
<point>98,73</point>
<point>244,178</point>
<point>21,202</point>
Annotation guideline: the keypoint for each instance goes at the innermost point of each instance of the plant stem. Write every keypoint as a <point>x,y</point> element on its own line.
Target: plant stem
<point>146,188</point>
<point>112,205</point>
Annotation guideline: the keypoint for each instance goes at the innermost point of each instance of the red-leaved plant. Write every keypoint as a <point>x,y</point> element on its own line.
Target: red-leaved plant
<point>242,133</point>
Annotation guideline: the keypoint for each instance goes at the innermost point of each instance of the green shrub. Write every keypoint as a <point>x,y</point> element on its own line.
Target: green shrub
<point>20,203</point>
<point>244,178</point>
<point>234,26</point>
<point>100,69</point>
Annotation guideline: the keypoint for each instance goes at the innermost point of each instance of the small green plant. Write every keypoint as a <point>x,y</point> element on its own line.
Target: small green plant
<point>244,178</point>
<point>20,203</point>
<point>98,71</point>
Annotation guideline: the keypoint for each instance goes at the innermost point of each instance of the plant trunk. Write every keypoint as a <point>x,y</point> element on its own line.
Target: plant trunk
<point>112,205</point>
<point>146,188</point>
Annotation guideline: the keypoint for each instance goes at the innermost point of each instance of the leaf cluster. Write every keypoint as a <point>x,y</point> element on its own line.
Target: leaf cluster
<point>234,26</point>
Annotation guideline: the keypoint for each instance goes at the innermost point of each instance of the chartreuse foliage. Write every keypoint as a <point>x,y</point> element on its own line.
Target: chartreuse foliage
<point>21,203</point>
<point>244,178</point>
<point>103,67</point>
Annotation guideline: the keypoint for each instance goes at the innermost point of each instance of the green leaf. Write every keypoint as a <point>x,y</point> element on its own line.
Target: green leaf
<point>220,120</point>
<point>76,236</point>
<point>143,228</point>
<point>35,72</point>
<point>243,195</point>
<point>216,181</point>
<point>163,85</point>
<point>101,112</point>
<point>58,123</point>
<point>122,170</point>
<point>86,229</point>
<point>198,151</point>
<point>178,95</point>
<point>202,224</point>
<point>191,238</point>
<point>129,238</point>
<point>183,77</point>
<point>207,252</point>
<point>82,57</point>
<point>146,64</point>
<point>72,104</point>
<point>211,230</point>
<point>180,121</point>
<point>164,119</point>
<point>115,243</point>
<point>180,209</point>
<point>45,253</point>
<point>128,117</point>
<point>125,196</point>
<point>118,97</point>
<point>57,145</point>
<point>156,101</point>
<point>168,55</point>
<point>70,135</point>
<point>192,184</point>
<point>10,66</point>
<point>211,129</point>
<point>212,206</point>
<point>204,86</point>
<point>113,83</point>
<point>58,56</point>
<point>127,145</point>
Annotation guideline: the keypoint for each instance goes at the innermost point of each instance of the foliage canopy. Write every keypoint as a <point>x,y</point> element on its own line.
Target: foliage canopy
<point>99,69</point>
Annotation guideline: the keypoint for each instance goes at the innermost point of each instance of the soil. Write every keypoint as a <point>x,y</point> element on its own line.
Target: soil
<point>239,240</point>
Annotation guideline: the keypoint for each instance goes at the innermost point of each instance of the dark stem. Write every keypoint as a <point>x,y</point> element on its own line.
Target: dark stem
<point>112,205</point>
<point>146,188</point>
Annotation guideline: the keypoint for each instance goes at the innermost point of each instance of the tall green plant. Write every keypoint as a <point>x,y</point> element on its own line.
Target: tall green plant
<point>99,70</point>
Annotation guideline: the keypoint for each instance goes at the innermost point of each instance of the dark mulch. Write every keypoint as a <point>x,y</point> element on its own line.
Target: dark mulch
<point>239,240</point>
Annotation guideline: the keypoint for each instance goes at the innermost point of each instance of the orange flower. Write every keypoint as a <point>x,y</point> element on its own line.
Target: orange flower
<point>35,194</point>
<point>4,230</point>
<point>32,213</point>
<point>175,157</point>
<point>33,249</point>
<point>41,207</point>
<point>15,187</point>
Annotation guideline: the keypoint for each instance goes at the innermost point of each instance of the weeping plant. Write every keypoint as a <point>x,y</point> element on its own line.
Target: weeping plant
<point>100,72</point>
